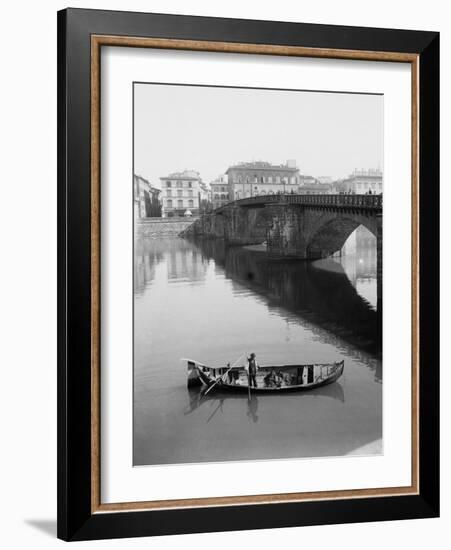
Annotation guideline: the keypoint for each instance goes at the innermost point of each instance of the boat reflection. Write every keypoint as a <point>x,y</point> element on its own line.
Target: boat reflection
<point>217,399</point>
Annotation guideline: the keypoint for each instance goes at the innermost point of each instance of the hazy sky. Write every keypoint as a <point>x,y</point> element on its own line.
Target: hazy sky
<point>208,129</point>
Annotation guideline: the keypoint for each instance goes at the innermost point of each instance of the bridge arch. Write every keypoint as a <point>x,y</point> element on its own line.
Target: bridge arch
<point>329,234</point>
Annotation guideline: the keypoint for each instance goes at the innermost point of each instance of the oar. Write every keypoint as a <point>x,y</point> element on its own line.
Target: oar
<point>214,412</point>
<point>248,382</point>
<point>222,377</point>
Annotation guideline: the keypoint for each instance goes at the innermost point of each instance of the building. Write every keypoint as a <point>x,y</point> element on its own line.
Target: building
<point>325,179</point>
<point>146,199</point>
<point>219,191</point>
<point>361,182</point>
<point>204,198</point>
<point>315,188</point>
<point>248,179</point>
<point>182,193</point>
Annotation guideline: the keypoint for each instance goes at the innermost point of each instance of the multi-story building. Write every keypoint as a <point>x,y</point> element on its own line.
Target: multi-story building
<point>146,199</point>
<point>182,193</point>
<point>219,191</point>
<point>248,179</point>
<point>362,182</point>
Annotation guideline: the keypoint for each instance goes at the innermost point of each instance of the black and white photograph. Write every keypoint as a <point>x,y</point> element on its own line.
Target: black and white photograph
<point>257,274</point>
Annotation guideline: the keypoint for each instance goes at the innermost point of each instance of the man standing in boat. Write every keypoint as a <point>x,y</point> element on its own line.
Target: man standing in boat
<point>252,368</point>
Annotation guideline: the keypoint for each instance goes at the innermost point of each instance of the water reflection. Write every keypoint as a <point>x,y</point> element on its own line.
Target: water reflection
<point>184,262</point>
<point>212,303</point>
<point>321,292</point>
<point>196,399</point>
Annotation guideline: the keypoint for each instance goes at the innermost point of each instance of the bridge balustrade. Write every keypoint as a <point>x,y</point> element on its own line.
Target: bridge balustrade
<point>357,201</point>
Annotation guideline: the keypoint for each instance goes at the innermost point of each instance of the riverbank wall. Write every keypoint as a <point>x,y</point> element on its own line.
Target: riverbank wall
<point>161,227</point>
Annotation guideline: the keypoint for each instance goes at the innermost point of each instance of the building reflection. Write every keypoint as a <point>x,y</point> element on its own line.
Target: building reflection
<point>184,261</point>
<point>145,259</point>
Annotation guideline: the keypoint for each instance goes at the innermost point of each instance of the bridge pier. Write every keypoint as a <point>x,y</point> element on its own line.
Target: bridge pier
<point>379,277</point>
<point>244,226</point>
<point>284,236</point>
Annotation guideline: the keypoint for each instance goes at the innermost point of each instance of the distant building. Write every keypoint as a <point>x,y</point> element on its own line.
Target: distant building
<point>182,193</point>
<point>316,188</point>
<point>248,179</point>
<point>308,185</point>
<point>361,182</point>
<point>204,198</point>
<point>324,179</point>
<point>146,199</point>
<point>219,191</point>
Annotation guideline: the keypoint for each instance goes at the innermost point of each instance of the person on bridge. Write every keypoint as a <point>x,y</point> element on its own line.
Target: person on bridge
<point>252,370</point>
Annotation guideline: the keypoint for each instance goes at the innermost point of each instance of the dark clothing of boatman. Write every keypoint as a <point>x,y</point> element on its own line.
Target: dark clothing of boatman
<point>252,370</point>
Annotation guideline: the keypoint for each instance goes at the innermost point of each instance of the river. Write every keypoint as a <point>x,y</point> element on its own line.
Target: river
<point>206,301</point>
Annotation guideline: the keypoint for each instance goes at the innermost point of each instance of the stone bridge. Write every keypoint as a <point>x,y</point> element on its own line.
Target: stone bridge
<point>301,226</point>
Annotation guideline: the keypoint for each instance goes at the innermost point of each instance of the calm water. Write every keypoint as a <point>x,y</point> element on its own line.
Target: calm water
<point>212,303</point>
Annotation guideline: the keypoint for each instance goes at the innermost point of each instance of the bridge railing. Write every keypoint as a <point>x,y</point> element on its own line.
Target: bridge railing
<point>358,201</point>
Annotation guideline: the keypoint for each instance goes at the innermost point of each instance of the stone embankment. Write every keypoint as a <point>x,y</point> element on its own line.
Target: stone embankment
<point>161,227</point>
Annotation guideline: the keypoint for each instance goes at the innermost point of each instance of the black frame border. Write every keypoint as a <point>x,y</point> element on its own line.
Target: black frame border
<point>75,520</point>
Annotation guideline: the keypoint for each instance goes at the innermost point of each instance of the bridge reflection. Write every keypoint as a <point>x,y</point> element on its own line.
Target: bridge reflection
<point>320,292</point>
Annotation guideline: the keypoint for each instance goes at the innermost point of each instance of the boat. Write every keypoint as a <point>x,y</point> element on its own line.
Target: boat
<point>270,378</point>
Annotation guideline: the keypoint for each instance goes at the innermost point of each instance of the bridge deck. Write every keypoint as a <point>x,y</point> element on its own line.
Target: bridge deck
<point>371,202</point>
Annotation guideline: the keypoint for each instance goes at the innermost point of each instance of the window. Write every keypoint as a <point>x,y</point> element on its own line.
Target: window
<point>179,192</point>
<point>169,193</point>
<point>190,203</point>
<point>190,184</point>
<point>180,184</point>
<point>180,203</point>
<point>169,203</point>
<point>190,193</point>
<point>168,184</point>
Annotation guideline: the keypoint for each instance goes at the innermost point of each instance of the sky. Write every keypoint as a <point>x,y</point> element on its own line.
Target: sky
<point>208,129</point>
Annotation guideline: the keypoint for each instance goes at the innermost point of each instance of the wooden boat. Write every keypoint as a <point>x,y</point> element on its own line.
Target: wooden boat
<point>270,378</point>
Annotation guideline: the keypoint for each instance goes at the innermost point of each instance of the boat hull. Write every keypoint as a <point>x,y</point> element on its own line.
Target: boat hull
<point>270,379</point>
<point>282,389</point>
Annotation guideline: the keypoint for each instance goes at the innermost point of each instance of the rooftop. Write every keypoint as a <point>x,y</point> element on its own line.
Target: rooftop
<point>186,175</point>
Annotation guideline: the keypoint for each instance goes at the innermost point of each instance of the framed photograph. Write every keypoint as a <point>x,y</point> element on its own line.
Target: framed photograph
<point>248,274</point>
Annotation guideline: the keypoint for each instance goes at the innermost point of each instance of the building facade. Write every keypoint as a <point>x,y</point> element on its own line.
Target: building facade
<point>182,193</point>
<point>249,179</point>
<point>315,188</point>
<point>146,199</point>
<point>362,182</point>
<point>219,191</point>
